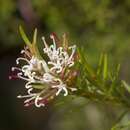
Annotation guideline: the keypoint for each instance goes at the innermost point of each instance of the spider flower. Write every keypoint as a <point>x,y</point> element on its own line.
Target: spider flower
<point>45,79</point>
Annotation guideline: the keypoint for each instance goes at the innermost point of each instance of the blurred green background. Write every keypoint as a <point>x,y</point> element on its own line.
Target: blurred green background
<point>97,25</point>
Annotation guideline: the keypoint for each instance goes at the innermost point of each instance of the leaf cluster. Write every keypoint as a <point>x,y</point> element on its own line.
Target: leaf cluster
<point>101,84</point>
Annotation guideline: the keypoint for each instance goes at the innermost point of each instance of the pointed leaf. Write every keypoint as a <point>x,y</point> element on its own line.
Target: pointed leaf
<point>38,86</point>
<point>99,69</point>
<point>24,36</point>
<point>105,67</point>
<point>35,36</point>
<point>35,46</point>
<point>86,65</point>
<point>126,86</point>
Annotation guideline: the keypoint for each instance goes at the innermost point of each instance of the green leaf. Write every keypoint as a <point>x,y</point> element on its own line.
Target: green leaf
<point>83,59</point>
<point>24,37</point>
<point>38,86</point>
<point>121,127</point>
<point>105,66</point>
<point>120,118</point>
<point>35,46</point>
<point>89,71</point>
<point>126,85</point>
<point>32,46</point>
<point>99,69</point>
<point>35,36</point>
<point>117,70</point>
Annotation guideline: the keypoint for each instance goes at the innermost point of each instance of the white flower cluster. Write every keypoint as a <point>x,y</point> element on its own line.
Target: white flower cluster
<point>59,58</point>
<point>38,71</point>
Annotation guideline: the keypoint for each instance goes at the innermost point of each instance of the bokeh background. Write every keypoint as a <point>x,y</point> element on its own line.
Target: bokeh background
<point>97,25</point>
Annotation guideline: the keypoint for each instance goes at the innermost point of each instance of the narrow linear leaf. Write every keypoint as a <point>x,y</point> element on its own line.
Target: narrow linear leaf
<point>35,46</point>
<point>126,86</point>
<point>89,71</point>
<point>38,86</point>
<point>65,41</point>
<point>24,37</point>
<point>105,67</point>
<point>88,68</point>
<point>35,36</point>
<point>99,69</point>
<point>118,69</point>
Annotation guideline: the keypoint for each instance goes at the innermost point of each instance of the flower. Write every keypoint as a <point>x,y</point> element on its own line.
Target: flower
<point>45,79</point>
<point>59,59</point>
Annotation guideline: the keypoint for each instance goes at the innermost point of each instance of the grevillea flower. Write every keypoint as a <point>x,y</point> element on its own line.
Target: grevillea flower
<point>45,79</point>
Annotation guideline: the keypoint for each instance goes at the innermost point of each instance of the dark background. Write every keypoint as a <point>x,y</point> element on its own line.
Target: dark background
<point>98,25</point>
